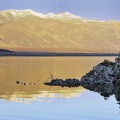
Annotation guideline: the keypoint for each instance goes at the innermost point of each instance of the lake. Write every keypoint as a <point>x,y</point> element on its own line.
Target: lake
<point>36,101</point>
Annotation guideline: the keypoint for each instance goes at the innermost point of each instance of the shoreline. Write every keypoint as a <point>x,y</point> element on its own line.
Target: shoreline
<point>54,54</point>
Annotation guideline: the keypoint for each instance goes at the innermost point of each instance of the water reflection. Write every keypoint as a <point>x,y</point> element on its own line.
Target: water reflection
<point>36,70</point>
<point>115,92</point>
<point>105,90</point>
<point>43,96</point>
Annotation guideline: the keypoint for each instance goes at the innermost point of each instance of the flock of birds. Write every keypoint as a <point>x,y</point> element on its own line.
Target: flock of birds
<point>18,82</point>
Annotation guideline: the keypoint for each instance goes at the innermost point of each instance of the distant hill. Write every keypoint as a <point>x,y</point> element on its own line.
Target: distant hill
<point>26,30</point>
<point>4,50</point>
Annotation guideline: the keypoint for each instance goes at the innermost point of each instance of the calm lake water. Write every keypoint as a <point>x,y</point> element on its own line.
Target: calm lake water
<point>40,102</point>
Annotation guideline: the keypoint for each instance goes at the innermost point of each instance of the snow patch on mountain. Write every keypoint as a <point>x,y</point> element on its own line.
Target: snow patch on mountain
<point>63,15</point>
<point>68,15</point>
<point>28,12</point>
<point>23,13</point>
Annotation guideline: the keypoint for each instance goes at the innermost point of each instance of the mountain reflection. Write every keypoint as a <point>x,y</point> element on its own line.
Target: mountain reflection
<point>36,70</point>
<point>18,92</point>
<point>42,96</point>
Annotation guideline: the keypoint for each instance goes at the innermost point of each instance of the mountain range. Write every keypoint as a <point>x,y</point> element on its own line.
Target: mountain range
<point>27,30</point>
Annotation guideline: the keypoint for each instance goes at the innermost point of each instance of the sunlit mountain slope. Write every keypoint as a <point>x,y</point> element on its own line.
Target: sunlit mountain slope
<point>64,32</point>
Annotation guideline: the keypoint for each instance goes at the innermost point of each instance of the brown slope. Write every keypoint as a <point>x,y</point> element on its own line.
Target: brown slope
<point>59,35</point>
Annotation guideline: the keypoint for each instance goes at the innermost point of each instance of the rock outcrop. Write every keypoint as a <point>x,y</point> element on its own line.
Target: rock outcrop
<point>103,78</point>
<point>64,83</point>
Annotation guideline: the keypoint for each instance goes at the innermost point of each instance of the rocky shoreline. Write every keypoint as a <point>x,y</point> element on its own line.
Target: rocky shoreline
<point>64,83</point>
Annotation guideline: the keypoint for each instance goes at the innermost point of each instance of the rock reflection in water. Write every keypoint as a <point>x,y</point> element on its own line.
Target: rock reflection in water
<point>106,92</point>
<point>104,79</point>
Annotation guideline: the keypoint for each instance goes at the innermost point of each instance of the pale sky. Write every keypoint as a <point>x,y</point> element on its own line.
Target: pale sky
<point>91,9</point>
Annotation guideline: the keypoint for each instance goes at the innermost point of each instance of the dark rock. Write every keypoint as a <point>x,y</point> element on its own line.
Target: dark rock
<point>17,82</point>
<point>104,79</point>
<point>64,83</point>
<point>107,63</point>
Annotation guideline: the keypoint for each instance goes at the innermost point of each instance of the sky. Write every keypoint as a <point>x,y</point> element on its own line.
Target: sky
<point>90,9</point>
